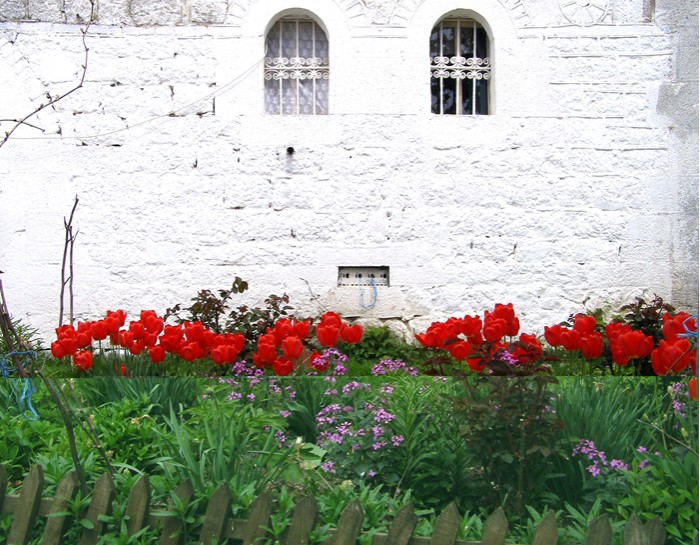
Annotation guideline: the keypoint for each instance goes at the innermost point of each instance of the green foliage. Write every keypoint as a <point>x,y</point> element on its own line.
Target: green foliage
<point>587,406</point>
<point>511,429</point>
<point>381,343</point>
<point>223,443</point>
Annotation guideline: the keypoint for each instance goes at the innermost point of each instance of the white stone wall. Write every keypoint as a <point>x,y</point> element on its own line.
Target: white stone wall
<point>582,185</point>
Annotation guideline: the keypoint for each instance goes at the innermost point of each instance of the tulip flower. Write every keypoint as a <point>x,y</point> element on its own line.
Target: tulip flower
<point>351,334</point>
<point>82,361</point>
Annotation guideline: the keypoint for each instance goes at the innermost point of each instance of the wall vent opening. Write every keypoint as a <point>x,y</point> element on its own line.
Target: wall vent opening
<point>363,276</point>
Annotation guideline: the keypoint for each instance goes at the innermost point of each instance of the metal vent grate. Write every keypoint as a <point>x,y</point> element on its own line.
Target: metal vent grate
<point>363,276</point>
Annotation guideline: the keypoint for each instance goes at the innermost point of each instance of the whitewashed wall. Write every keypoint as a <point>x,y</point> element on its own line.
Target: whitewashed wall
<point>583,184</point>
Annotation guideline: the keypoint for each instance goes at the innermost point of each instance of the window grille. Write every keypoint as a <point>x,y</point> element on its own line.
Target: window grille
<point>460,68</point>
<point>296,68</point>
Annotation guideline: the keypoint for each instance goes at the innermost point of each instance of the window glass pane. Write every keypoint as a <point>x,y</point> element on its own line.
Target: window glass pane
<point>435,95</point>
<point>289,39</point>
<point>306,39</point>
<point>449,96</point>
<point>273,42</point>
<point>481,44</point>
<point>289,97</point>
<point>482,97</point>
<point>272,96</point>
<point>466,40</point>
<point>448,39</point>
<point>434,43</point>
<point>306,96</point>
<point>467,89</point>
<point>321,96</point>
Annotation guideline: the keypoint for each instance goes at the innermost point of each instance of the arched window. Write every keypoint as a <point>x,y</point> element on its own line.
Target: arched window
<point>460,67</point>
<point>296,68</point>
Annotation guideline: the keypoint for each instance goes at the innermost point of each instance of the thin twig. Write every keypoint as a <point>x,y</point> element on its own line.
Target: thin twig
<point>52,101</point>
<point>67,249</point>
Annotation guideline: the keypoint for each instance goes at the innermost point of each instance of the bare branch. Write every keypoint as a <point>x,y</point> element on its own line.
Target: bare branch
<point>67,254</point>
<point>52,101</point>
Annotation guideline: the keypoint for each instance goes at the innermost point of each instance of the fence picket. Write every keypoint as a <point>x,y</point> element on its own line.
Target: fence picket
<point>495,528</point>
<point>53,532</point>
<point>3,485</point>
<point>29,504</point>
<point>101,504</point>
<point>303,521</point>
<point>216,516</point>
<point>599,531</point>
<point>349,525</point>
<point>137,506</point>
<point>446,526</point>
<point>27,507</point>
<point>656,534</point>
<point>258,520</point>
<point>172,526</point>
<point>546,531</point>
<point>402,526</point>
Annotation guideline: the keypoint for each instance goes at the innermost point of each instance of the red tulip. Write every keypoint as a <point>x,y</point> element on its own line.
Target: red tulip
<point>591,345</point>
<point>584,324</point>
<point>57,350</point>
<point>292,347</point>
<point>351,334</point>
<point>331,318</point>
<point>635,344</point>
<point>302,329</point>
<point>327,335</point>
<point>553,335</point>
<point>156,354</point>
<point>82,361</point>
<point>671,357</point>
<point>282,367</point>
<point>693,388</point>
<point>98,330</point>
<point>571,339</point>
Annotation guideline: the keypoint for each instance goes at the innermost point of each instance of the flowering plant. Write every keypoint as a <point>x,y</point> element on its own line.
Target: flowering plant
<point>482,346</point>
<point>621,343</point>
<point>284,347</point>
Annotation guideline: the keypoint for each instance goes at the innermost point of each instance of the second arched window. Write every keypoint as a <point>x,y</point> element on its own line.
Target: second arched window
<point>460,67</point>
<point>296,68</point>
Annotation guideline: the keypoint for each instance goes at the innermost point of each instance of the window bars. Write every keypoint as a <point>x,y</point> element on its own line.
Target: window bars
<point>296,68</point>
<point>460,68</point>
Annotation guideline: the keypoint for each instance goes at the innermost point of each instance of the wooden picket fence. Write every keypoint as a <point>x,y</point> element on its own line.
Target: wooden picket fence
<point>217,526</point>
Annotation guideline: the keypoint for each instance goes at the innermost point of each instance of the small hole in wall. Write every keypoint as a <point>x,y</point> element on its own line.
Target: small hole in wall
<point>290,150</point>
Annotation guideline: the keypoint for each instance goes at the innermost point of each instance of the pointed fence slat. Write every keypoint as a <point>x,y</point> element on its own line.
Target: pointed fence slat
<point>53,532</point>
<point>101,504</point>
<point>137,506</point>
<point>29,504</point>
<point>656,533</point>
<point>27,508</point>
<point>599,531</point>
<point>495,528</point>
<point>349,525</point>
<point>402,526</point>
<point>546,531</point>
<point>3,485</point>
<point>258,519</point>
<point>216,516</point>
<point>172,526</point>
<point>446,526</point>
<point>303,521</point>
